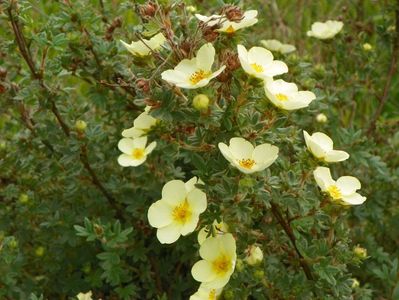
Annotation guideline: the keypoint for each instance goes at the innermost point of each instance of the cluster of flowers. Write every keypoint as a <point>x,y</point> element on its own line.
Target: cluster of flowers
<point>177,212</point>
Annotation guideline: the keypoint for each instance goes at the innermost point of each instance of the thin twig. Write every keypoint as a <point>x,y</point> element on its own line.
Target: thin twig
<point>288,230</point>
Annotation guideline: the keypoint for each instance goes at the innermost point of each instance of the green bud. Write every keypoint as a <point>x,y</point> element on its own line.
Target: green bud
<point>259,274</point>
<point>39,251</point>
<point>201,102</point>
<point>355,283</point>
<point>360,252</point>
<point>367,47</point>
<point>247,182</point>
<point>23,198</point>
<point>13,244</point>
<point>3,145</point>
<point>239,265</point>
<point>80,125</point>
<point>86,268</point>
<point>319,70</point>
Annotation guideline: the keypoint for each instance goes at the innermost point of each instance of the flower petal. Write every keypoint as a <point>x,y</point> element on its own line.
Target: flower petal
<point>265,154</point>
<point>354,199</point>
<point>197,200</point>
<point>150,147</point>
<point>126,145</point>
<point>160,214</point>
<point>348,184</point>
<point>174,192</point>
<point>322,175</point>
<point>210,248</point>
<point>190,225</point>
<point>202,271</point>
<point>169,234</point>
<point>336,155</point>
<point>240,148</point>
<point>224,149</point>
<point>140,142</point>
<point>205,57</point>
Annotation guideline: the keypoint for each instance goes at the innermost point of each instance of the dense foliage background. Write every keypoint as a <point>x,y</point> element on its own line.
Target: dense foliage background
<point>61,61</point>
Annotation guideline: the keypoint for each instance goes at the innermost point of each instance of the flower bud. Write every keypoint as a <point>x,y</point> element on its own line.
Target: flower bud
<point>23,198</point>
<point>254,255</point>
<point>239,265</point>
<point>391,28</point>
<point>321,118</point>
<point>13,243</point>
<point>319,70</point>
<point>39,251</point>
<point>355,283</point>
<point>233,13</point>
<point>367,47</point>
<point>80,125</point>
<point>98,229</point>
<point>201,102</point>
<point>360,252</point>
<point>228,295</point>
<point>259,274</point>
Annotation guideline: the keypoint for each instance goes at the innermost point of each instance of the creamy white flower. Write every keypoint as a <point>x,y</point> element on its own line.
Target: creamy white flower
<point>344,189</point>
<point>145,47</point>
<point>85,296</point>
<point>247,158</point>
<point>226,26</point>
<point>196,72</point>
<point>134,151</point>
<point>285,95</point>
<point>259,62</point>
<point>177,213</point>
<point>326,30</point>
<point>321,146</point>
<point>141,125</point>
<point>220,228</point>
<point>275,45</point>
<point>205,293</point>
<point>254,255</point>
<point>218,261</point>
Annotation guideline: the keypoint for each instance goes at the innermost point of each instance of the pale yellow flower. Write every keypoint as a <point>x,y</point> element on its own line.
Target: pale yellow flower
<point>177,213</point>
<point>218,261</point>
<point>343,190</point>
<point>275,45</point>
<point>85,296</point>
<point>145,47</point>
<point>141,125</point>
<point>285,95</point>
<point>205,293</point>
<point>259,62</point>
<point>134,151</point>
<point>196,72</point>
<point>247,158</point>
<point>326,30</point>
<point>321,146</point>
<point>226,26</point>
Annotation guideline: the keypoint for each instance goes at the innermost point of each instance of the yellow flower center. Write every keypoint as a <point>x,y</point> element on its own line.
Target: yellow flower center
<point>230,29</point>
<point>198,76</point>
<point>182,213</point>
<point>138,153</point>
<point>257,68</point>
<point>246,163</point>
<point>212,295</point>
<point>281,97</point>
<point>221,265</point>
<point>334,192</point>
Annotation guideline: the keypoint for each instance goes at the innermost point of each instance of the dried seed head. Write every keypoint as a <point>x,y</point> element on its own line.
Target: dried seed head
<point>233,13</point>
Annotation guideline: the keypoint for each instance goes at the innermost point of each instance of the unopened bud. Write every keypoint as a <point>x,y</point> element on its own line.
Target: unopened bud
<point>239,265</point>
<point>367,47</point>
<point>254,255</point>
<point>98,229</point>
<point>321,118</point>
<point>80,125</point>
<point>360,252</point>
<point>23,198</point>
<point>259,274</point>
<point>39,251</point>
<point>201,102</point>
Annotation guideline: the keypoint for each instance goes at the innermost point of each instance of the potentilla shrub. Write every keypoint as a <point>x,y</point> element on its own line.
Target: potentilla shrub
<point>188,159</point>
